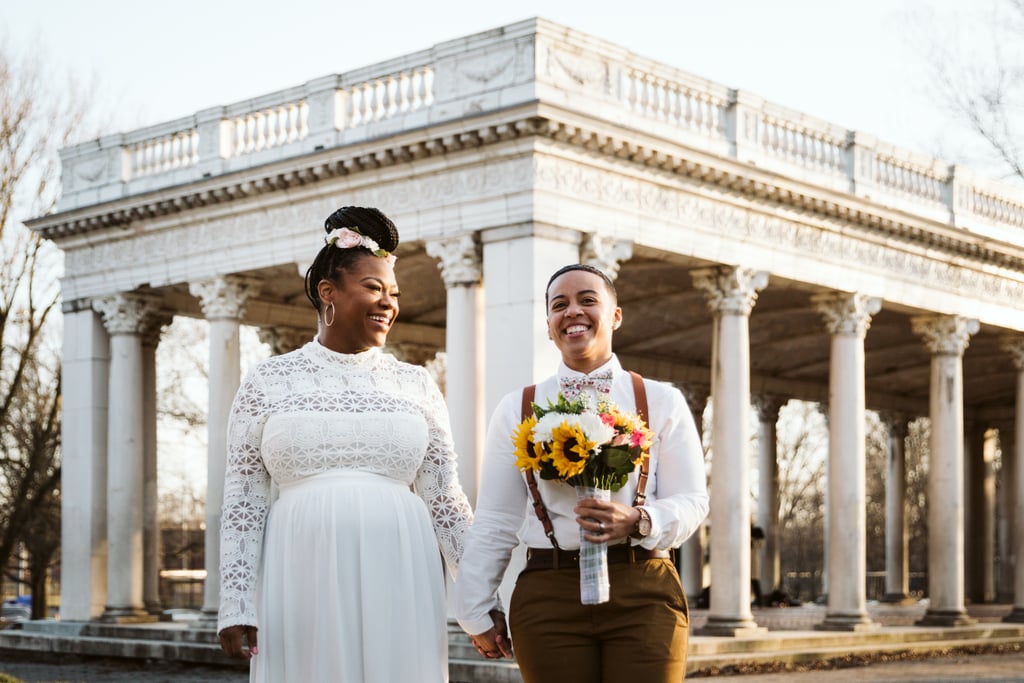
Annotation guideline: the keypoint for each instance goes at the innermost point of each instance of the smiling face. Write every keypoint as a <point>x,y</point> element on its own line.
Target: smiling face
<point>365,298</point>
<point>582,313</point>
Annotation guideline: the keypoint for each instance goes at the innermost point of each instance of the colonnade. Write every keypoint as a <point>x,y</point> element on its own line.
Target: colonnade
<point>496,339</point>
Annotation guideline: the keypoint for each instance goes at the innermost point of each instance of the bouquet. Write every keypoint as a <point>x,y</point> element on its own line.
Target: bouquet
<point>593,450</point>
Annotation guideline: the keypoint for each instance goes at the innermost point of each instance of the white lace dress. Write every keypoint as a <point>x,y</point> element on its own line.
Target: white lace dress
<point>341,573</point>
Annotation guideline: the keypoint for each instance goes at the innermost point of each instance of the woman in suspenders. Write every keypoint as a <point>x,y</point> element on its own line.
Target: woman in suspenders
<point>640,633</point>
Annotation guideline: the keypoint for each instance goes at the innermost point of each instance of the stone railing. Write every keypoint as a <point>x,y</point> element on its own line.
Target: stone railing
<point>519,65</point>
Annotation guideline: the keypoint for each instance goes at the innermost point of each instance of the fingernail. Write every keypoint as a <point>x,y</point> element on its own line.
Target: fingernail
<point>255,650</point>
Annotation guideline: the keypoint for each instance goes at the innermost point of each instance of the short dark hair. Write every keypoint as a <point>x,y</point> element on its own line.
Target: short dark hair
<point>330,260</point>
<point>587,268</point>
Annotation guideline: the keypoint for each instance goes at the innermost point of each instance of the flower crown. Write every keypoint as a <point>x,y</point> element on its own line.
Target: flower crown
<point>349,238</point>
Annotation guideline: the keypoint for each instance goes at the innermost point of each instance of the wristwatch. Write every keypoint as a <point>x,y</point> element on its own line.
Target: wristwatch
<point>642,529</point>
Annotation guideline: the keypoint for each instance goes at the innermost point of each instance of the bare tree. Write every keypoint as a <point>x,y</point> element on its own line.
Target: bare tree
<point>37,117</point>
<point>981,84</point>
<point>802,456</point>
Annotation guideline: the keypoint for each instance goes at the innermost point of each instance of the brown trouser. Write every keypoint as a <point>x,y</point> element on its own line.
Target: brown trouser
<point>639,636</point>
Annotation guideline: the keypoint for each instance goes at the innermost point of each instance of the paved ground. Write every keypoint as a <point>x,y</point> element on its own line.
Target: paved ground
<point>1006,668</point>
<point>41,668</point>
<point>955,667</point>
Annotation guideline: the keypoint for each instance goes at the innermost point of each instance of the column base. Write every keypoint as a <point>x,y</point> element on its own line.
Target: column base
<point>154,608</point>
<point>947,617</point>
<point>898,599</point>
<point>125,615</point>
<point>1016,616</point>
<point>730,628</point>
<point>858,623</point>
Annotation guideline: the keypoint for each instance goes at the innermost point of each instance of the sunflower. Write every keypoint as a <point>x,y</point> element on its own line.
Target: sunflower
<point>527,452</point>
<point>570,449</point>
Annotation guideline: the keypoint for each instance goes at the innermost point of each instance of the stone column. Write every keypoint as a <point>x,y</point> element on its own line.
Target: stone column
<point>1015,458</point>
<point>897,569</point>
<point>979,514</point>
<point>731,293</point>
<point>223,300</point>
<point>517,262</point>
<point>150,493</point>
<point>946,337</point>
<point>691,554</point>
<point>768,492</point>
<point>461,270</point>
<point>847,317</point>
<point>126,317</point>
<point>85,369</point>
<point>823,410</point>
<point>1004,516</point>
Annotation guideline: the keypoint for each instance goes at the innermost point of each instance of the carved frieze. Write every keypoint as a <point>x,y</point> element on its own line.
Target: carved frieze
<point>716,215</point>
<point>576,70</point>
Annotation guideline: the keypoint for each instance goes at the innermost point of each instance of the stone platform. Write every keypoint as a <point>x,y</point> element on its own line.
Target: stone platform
<point>789,638</point>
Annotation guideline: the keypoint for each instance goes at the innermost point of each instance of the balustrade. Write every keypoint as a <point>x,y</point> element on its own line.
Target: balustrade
<point>454,79</point>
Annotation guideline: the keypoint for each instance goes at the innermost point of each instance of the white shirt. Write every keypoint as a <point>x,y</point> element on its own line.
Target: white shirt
<point>677,498</point>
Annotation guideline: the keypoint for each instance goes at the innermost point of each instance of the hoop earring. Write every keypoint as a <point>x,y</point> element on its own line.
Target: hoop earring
<point>330,307</point>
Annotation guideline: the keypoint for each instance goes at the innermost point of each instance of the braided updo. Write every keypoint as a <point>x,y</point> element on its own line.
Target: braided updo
<point>330,260</point>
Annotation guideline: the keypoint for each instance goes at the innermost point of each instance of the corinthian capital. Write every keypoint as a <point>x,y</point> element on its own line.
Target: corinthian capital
<point>605,253</point>
<point>127,313</point>
<point>845,313</point>
<point>224,297</point>
<point>730,289</point>
<point>1015,347</point>
<point>945,335</point>
<point>461,261</point>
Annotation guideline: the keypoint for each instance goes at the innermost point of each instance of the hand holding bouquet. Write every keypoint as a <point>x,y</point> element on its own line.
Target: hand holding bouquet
<point>594,450</point>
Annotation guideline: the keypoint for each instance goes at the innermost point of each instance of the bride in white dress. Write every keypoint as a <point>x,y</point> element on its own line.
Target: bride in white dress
<point>340,578</point>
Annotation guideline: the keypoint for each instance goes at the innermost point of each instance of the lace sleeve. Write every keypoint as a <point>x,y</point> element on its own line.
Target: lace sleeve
<point>437,481</point>
<point>244,511</point>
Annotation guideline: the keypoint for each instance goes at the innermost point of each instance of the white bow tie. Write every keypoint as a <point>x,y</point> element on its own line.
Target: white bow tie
<point>599,381</point>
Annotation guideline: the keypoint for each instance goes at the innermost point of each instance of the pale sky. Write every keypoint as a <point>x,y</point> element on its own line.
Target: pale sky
<point>857,64</point>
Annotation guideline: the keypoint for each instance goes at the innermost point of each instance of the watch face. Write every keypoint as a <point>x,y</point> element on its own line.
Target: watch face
<point>643,525</point>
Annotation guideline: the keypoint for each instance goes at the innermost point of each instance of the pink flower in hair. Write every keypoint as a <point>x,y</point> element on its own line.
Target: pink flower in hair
<point>348,238</point>
<point>344,238</point>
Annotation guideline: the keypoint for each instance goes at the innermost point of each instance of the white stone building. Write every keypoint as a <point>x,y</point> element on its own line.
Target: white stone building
<point>761,255</point>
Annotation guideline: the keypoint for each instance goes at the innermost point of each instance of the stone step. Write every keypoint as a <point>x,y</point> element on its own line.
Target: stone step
<point>182,642</point>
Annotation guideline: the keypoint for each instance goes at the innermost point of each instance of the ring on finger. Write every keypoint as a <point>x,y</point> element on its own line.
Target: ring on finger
<point>600,525</point>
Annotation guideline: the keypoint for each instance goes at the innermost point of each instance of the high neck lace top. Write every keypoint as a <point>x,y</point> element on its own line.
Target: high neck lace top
<point>315,411</point>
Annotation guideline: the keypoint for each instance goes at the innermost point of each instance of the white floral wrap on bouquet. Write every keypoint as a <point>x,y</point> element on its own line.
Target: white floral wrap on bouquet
<point>594,583</point>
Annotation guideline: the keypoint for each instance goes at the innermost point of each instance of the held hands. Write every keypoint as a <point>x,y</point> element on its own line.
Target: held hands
<point>231,640</point>
<point>494,642</point>
<point>604,522</point>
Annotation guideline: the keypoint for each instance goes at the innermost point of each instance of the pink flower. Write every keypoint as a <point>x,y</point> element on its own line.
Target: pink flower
<point>343,238</point>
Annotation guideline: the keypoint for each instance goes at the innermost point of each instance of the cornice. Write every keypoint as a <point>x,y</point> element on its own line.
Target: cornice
<point>566,128</point>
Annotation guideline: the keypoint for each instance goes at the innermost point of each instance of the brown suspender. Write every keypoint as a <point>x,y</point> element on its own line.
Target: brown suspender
<point>640,396</point>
